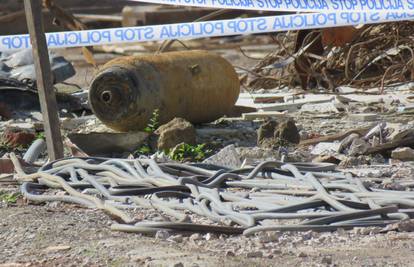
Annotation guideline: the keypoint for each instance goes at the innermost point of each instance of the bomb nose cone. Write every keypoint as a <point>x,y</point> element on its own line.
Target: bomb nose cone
<point>111,93</point>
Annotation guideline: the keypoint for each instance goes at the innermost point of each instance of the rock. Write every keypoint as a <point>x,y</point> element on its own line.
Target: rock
<point>287,131</point>
<point>195,237</point>
<point>358,147</point>
<point>254,254</point>
<point>73,123</point>
<point>162,235</point>
<point>276,251</point>
<point>209,236</point>
<point>179,264</point>
<point>176,238</point>
<point>403,153</point>
<point>230,253</point>
<point>266,131</point>
<point>325,148</point>
<point>327,260</point>
<point>269,237</point>
<point>302,254</point>
<point>271,133</point>
<point>16,137</point>
<point>175,132</point>
<point>57,248</point>
<point>227,157</point>
<point>406,226</point>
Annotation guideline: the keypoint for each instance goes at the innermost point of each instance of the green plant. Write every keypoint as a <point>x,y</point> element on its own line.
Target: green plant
<point>189,152</point>
<point>40,135</point>
<point>143,150</point>
<point>152,125</point>
<point>9,198</point>
<point>154,122</point>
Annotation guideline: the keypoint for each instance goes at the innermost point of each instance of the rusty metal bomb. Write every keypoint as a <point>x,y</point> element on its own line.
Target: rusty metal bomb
<point>199,86</point>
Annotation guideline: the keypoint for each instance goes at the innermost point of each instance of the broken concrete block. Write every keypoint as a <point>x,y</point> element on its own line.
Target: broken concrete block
<point>364,117</point>
<point>175,132</point>
<point>325,148</point>
<point>103,144</point>
<point>403,153</point>
<point>15,137</point>
<point>263,115</point>
<point>227,157</point>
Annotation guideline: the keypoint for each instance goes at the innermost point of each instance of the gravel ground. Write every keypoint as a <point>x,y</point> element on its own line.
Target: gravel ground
<point>64,235</point>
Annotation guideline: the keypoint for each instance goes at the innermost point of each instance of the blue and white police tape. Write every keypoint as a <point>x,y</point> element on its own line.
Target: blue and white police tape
<point>297,5</point>
<point>205,29</point>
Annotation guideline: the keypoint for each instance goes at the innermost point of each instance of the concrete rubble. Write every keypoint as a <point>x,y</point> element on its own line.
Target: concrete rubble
<point>348,134</point>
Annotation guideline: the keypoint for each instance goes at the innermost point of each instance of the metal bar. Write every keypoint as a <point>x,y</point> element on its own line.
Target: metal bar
<point>47,98</point>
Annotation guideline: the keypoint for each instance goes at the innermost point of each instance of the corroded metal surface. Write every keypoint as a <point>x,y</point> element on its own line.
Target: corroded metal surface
<point>196,85</point>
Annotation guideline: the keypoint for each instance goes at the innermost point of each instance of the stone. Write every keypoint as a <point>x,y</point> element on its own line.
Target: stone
<point>287,131</point>
<point>325,148</point>
<point>302,254</point>
<point>327,260</point>
<point>230,253</point>
<point>254,254</point>
<point>162,235</point>
<point>175,132</point>
<point>209,236</point>
<point>266,132</point>
<point>16,137</point>
<point>57,248</point>
<point>195,237</point>
<point>406,226</point>
<point>175,238</point>
<point>358,147</point>
<point>227,157</point>
<point>403,153</point>
<point>179,264</point>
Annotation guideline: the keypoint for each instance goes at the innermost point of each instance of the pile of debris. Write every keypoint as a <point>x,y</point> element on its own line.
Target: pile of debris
<point>365,57</point>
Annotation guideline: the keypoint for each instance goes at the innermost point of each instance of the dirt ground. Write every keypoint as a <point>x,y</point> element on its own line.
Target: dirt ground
<point>70,236</point>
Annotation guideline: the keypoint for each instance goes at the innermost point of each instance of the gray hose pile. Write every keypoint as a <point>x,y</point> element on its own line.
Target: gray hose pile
<point>271,196</point>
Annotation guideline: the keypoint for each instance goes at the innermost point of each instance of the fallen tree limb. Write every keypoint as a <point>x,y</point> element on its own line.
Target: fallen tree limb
<point>408,141</point>
<point>335,137</point>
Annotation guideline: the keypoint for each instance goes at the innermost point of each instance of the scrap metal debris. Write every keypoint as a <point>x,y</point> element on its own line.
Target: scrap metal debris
<point>20,66</point>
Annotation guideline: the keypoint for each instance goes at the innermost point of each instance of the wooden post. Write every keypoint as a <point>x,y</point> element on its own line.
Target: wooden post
<point>47,97</point>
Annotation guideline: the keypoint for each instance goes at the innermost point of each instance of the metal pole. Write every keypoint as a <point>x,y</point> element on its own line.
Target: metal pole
<point>47,97</point>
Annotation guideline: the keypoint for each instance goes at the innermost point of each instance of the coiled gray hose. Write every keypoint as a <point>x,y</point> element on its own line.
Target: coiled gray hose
<point>237,200</point>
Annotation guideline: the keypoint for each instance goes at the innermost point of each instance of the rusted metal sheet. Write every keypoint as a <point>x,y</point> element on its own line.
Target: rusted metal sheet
<point>199,86</point>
